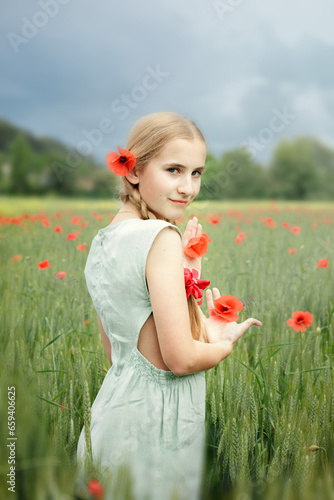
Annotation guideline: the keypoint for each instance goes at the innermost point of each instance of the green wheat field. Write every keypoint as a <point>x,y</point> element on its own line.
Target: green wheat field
<point>270,404</point>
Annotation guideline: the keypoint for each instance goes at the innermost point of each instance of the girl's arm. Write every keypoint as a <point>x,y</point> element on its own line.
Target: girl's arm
<point>165,278</point>
<point>105,340</point>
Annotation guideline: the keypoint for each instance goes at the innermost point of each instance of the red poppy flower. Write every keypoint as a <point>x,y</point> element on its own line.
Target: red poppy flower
<point>227,306</point>
<point>295,229</point>
<point>285,224</point>
<point>193,285</point>
<point>46,223</point>
<point>197,247</point>
<point>207,237</point>
<point>214,220</point>
<point>16,258</point>
<point>240,237</point>
<point>44,264</point>
<point>84,224</point>
<point>86,322</point>
<point>71,236</point>
<point>322,263</point>
<point>60,275</point>
<point>121,163</point>
<point>76,220</point>
<point>82,247</point>
<point>96,489</point>
<point>292,250</point>
<point>270,222</point>
<point>301,320</point>
<point>97,216</point>
<point>58,229</point>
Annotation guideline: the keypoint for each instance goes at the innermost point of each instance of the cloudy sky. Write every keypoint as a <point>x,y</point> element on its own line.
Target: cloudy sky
<point>246,71</point>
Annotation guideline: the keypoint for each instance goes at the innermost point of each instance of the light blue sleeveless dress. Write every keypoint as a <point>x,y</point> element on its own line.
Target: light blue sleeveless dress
<point>147,418</point>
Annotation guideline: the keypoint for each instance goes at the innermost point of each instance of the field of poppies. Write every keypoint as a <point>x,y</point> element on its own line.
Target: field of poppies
<point>270,405</point>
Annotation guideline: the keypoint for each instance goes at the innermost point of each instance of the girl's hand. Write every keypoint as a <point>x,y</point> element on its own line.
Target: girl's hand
<point>193,230</point>
<point>219,330</point>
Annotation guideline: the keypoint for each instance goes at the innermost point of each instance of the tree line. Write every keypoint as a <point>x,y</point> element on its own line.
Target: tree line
<point>299,169</point>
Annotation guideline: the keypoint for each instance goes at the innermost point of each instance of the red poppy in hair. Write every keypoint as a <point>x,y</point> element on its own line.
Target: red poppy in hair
<point>122,163</point>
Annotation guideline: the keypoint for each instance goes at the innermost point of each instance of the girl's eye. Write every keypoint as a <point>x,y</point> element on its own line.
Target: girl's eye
<point>195,171</point>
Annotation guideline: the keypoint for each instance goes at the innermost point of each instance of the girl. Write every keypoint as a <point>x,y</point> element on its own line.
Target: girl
<point>149,414</point>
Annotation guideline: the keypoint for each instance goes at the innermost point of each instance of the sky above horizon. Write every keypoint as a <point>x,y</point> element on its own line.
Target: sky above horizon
<point>247,72</point>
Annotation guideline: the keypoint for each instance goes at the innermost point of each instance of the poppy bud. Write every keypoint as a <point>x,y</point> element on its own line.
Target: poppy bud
<point>314,447</point>
<point>318,330</point>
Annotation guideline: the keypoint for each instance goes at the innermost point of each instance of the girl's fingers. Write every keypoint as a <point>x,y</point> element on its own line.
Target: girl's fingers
<point>190,231</point>
<point>209,300</point>
<point>250,322</point>
<point>194,227</point>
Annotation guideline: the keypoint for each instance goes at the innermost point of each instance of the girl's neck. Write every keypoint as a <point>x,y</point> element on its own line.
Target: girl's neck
<point>129,208</point>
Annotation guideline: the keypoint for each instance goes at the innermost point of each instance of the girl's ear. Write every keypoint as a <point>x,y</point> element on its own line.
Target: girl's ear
<point>133,176</point>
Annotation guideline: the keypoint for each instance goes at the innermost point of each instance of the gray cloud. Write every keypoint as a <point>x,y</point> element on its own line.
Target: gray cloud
<point>227,74</point>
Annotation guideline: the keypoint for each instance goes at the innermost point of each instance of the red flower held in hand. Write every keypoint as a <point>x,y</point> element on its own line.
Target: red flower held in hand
<point>205,235</point>
<point>193,285</point>
<point>227,306</point>
<point>322,263</point>
<point>301,320</point>
<point>121,163</point>
<point>44,264</point>
<point>197,247</point>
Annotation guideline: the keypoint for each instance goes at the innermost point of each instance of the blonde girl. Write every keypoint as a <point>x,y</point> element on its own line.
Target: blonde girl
<point>149,414</point>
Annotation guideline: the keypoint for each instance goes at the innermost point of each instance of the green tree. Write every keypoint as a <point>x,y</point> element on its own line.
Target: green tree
<point>21,160</point>
<point>294,172</point>
<point>234,175</point>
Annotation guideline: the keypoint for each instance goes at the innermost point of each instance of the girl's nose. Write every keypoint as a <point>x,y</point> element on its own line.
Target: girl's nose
<point>186,186</point>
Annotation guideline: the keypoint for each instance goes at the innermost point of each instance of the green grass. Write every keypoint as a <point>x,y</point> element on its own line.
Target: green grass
<point>267,403</point>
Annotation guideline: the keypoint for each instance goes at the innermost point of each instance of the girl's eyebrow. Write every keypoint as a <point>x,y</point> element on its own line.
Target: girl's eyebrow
<point>182,166</point>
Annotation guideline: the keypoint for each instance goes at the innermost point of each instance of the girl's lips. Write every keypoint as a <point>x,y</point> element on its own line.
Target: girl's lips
<point>182,203</point>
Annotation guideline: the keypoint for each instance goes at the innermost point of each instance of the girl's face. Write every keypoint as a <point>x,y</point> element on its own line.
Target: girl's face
<point>173,176</point>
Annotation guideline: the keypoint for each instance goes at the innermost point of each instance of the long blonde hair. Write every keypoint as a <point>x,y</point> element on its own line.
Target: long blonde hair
<point>146,140</point>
